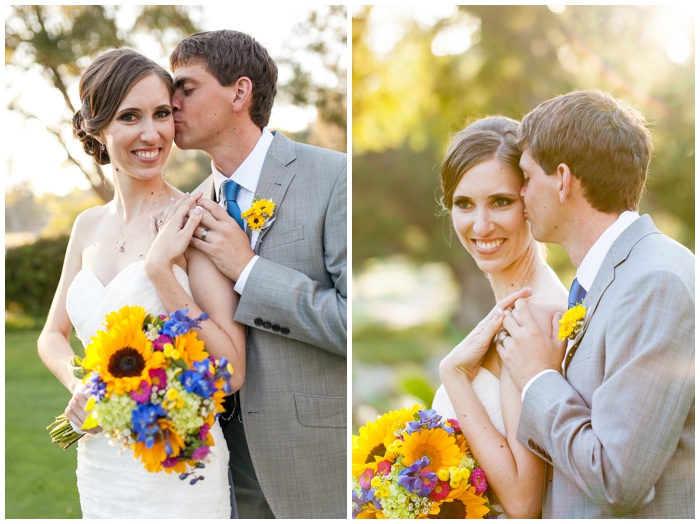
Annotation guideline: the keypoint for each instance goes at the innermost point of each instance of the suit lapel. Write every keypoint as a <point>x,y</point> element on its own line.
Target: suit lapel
<point>276,176</point>
<point>616,256</point>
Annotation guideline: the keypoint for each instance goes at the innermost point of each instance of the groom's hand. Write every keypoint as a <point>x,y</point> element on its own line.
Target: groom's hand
<point>528,350</point>
<point>225,243</point>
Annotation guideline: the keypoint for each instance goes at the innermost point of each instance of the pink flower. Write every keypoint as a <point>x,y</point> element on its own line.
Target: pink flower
<point>454,423</point>
<point>441,491</point>
<point>159,378</point>
<point>200,452</point>
<point>161,341</point>
<point>203,432</point>
<point>142,393</point>
<point>478,480</point>
<point>366,478</point>
<point>384,467</point>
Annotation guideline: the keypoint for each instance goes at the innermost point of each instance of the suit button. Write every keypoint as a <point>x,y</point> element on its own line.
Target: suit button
<point>284,331</point>
<point>258,321</point>
<point>267,325</point>
<point>276,327</point>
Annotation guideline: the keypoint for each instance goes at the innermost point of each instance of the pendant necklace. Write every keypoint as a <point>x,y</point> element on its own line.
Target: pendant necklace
<point>125,239</point>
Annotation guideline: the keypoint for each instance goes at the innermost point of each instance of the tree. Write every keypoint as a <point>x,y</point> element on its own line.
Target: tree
<point>410,98</point>
<point>57,40</point>
<point>320,40</point>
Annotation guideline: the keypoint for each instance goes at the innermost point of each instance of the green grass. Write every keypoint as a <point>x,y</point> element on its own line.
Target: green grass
<point>39,476</point>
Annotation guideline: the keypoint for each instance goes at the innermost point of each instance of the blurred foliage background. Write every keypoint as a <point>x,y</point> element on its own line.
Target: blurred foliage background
<point>46,50</point>
<point>419,74</point>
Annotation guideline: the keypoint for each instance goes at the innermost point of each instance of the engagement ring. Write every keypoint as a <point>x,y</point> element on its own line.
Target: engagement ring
<point>204,235</point>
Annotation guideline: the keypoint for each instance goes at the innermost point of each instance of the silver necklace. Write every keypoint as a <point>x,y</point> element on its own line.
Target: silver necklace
<point>125,239</point>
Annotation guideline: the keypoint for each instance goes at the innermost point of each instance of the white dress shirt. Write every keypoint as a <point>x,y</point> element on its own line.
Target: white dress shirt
<point>247,176</point>
<point>590,265</point>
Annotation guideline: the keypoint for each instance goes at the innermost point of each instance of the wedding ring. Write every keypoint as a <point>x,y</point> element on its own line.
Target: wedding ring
<point>204,234</point>
<point>504,335</point>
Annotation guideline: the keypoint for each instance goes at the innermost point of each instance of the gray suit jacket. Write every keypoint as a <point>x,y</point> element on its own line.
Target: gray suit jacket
<point>619,426</point>
<point>294,399</point>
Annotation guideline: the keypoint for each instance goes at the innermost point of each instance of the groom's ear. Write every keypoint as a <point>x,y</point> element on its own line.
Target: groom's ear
<point>566,182</point>
<point>242,93</point>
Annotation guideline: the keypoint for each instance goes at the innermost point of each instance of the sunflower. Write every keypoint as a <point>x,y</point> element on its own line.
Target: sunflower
<point>462,503</point>
<point>122,355</point>
<point>370,447</point>
<point>190,348</point>
<point>436,444</point>
<point>154,456</point>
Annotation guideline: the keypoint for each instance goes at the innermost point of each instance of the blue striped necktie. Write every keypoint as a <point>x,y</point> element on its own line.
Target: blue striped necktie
<point>576,293</point>
<point>229,191</point>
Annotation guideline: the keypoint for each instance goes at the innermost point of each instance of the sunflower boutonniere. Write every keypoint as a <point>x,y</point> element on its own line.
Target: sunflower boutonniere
<point>259,213</point>
<point>571,322</point>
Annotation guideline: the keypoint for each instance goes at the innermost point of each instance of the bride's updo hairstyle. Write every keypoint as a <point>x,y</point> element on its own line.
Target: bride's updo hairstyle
<point>485,139</point>
<point>103,86</point>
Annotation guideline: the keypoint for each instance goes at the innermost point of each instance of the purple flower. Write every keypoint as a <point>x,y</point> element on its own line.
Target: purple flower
<point>96,387</point>
<point>203,431</point>
<point>200,452</point>
<point>179,323</point>
<point>170,462</point>
<point>428,419</point>
<point>417,479</point>
<point>478,480</point>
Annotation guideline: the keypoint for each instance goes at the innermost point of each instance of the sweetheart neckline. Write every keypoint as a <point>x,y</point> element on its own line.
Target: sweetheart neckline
<point>115,277</point>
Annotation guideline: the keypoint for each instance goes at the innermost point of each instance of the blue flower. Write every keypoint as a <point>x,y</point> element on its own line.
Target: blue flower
<point>417,479</point>
<point>195,382</point>
<point>429,419</point>
<point>179,323</point>
<point>145,422</point>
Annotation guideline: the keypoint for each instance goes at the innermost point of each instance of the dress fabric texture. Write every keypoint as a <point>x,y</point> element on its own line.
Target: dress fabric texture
<point>111,482</point>
<point>487,388</point>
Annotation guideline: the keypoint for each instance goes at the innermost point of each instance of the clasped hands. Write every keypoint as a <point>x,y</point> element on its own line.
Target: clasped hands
<point>203,224</point>
<point>523,346</point>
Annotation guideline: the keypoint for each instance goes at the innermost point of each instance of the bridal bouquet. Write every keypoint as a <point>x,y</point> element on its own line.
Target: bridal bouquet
<point>153,389</point>
<point>410,463</point>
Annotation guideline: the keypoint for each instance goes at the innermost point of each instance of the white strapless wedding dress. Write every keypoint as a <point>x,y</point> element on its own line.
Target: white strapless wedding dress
<point>487,387</point>
<point>111,482</point>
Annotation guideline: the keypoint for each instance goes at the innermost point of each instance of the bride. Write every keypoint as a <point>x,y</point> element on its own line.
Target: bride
<point>120,255</point>
<point>481,181</point>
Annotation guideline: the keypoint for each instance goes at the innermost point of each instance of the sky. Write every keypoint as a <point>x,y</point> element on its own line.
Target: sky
<point>30,153</point>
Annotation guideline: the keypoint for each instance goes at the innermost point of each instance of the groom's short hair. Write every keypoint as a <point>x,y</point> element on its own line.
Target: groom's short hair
<point>606,145</point>
<point>229,55</point>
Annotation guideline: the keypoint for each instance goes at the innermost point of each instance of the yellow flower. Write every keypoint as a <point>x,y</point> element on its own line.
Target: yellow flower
<point>571,322</point>
<point>436,444</point>
<point>374,442</point>
<point>189,348</point>
<point>154,456</point>
<point>258,213</point>
<point>462,503</point>
<point>122,355</point>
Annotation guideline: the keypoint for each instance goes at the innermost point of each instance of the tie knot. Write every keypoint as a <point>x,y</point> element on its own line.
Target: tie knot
<point>576,294</point>
<point>229,190</point>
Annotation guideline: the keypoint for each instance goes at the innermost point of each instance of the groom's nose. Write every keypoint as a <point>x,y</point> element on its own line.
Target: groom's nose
<point>175,103</point>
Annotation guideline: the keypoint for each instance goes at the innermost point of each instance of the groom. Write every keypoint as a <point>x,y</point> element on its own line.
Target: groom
<point>615,421</point>
<point>287,435</point>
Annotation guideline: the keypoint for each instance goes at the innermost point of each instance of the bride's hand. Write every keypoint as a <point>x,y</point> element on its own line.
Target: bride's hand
<point>75,411</point>
<point>172,233</point>
<point>467,356</point>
